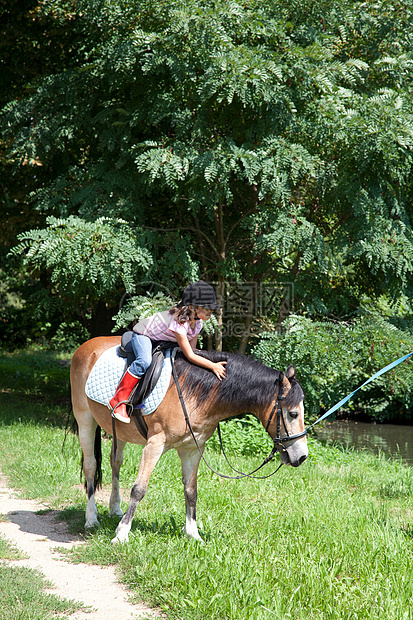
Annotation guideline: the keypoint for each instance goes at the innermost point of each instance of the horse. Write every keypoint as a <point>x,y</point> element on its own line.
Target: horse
<point>249,386</point>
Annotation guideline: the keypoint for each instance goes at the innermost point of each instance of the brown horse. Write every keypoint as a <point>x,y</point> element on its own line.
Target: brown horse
<point>249,386</point>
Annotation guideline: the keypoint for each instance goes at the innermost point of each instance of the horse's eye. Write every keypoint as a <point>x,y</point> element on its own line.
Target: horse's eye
<point>294,414</point>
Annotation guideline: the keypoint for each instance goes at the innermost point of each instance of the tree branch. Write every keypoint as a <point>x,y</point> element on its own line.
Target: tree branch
<point>190,228</point>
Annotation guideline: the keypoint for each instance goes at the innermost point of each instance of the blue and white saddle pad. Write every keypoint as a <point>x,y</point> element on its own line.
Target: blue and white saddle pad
<point>108,371</point>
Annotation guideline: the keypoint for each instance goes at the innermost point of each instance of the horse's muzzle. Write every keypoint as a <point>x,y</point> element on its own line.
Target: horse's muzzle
<point>288,457</point>
<point>300,461</point>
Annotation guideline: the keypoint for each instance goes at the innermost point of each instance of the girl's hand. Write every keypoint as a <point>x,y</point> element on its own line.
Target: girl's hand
<point>219,369</point>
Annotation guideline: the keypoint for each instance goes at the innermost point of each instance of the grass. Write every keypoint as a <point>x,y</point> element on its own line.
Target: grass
<point>23,596</point>
<point>23,591</point>
<point>332,540</point>
<point>9,551</point>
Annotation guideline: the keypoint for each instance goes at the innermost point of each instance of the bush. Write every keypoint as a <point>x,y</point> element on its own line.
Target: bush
<point>242,436</point>
<point>333,359</point>
<point>69,336</point>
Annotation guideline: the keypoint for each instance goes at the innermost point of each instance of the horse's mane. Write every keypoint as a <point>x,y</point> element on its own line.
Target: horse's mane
<point>248,383</point>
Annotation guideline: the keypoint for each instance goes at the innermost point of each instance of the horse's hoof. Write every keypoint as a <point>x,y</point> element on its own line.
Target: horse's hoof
<point>193,534</point>
<point>198,539</point>
<point>118,541</point>
<point>121,534</point>
<point>90,525</point>
<point>116,512</point>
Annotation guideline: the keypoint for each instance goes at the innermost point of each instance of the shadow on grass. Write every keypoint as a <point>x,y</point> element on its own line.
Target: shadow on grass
<point>40,376</point>
<point>397,489</point>
<point>45,523</point>
<point>74,517</point>
<point>408,531</point>
<point>166,528</point>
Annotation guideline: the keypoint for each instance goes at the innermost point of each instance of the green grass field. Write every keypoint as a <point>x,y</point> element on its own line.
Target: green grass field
<point>331,540</point>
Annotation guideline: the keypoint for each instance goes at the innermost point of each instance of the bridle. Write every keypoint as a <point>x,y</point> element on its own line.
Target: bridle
<point>278,440</point>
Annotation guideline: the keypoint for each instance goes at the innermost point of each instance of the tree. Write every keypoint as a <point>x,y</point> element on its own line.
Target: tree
<point>89,265</point>
<point>33,45</point>
<point>258,142</point>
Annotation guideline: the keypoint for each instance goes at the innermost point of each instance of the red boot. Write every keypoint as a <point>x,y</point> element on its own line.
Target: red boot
<point>123,392</point>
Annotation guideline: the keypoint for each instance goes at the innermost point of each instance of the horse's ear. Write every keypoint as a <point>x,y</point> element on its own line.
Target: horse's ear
<point>290,374</point>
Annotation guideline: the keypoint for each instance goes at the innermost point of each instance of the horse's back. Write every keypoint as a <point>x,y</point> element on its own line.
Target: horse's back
<point>88,353</point>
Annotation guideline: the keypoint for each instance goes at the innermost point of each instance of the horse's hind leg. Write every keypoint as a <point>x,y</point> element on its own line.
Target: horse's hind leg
<point>87,432</point>
<point>190,459</point>
<point>114,503</point>
<point>150,456</point>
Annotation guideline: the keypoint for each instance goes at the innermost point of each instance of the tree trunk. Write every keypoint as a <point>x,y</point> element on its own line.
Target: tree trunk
<point>219,227</point>
<point>220,300</point>
<point>246,334</point>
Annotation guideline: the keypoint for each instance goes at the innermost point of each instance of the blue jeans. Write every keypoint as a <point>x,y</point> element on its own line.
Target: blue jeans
<point>142,348</point>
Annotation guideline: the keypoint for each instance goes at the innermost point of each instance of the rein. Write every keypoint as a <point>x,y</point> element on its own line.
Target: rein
<point>277,440</point>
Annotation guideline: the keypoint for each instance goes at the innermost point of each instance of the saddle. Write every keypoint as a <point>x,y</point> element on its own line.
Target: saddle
<point>149,379</point>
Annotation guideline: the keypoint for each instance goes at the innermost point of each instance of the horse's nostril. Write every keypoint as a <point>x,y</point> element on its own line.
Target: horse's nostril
<point>302,459</point>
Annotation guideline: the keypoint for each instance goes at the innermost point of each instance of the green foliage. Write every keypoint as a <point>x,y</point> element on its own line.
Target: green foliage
<point>16,322</point>
<point>243,436</point>
<point>84,263</point>
<point>333,359</point>
<point>176,264</point>
<point>82,256</point>
<point>69,336</point>
<point>265,142</point>
<point>140,307</point>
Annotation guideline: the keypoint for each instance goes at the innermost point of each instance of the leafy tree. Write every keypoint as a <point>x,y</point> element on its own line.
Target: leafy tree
<point>333,359</point>
<point>257,141</point>
<point>33,45</point>
<point>86,262</point>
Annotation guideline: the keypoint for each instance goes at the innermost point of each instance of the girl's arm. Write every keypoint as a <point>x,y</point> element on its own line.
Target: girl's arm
<point>218,368</point>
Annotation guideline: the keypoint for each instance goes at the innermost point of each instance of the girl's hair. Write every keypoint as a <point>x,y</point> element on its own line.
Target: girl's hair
<point>181,314</point>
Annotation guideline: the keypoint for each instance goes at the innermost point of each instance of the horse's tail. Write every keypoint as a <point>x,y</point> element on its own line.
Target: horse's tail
<point>71,422</point>
<point>97,483</point>
<point>98,457</point>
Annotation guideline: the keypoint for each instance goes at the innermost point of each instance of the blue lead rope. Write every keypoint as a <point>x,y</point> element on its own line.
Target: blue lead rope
<point>372,378</point>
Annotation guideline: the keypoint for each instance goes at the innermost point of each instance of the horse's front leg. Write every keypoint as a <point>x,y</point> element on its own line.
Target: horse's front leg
<point>114,503</point>
<point>190,458</point>
<point>150,456</point>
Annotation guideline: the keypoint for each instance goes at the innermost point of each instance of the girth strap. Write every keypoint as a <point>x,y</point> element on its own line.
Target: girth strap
<point>137,417</point>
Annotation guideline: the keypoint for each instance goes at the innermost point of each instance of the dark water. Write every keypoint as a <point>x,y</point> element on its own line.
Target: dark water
<point>390,439</point>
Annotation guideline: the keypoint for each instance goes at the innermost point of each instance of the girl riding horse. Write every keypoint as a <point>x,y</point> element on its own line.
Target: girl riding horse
<point>180,324</point>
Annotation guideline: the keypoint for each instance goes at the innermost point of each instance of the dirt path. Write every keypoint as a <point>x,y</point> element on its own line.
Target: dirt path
<point>38,536</point>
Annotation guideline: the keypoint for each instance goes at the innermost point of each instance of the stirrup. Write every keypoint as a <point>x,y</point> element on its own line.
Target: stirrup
<point>116,416</point>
